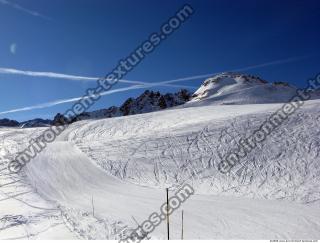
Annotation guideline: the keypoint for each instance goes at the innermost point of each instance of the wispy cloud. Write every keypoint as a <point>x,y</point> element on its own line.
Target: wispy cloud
<point>61,101</point>
<point>12,71</point>
<point>75,99</point>
<point>247,68</point>
<point>55,75</point>
<point>23,9</point>
<point>138,85</point>
<point>277,62</point>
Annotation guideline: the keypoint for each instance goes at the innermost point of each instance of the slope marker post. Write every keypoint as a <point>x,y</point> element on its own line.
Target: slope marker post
<point>168,226</point>
<point>182,225</point>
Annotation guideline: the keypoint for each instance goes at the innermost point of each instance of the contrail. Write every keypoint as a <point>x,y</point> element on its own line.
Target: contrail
<point>63,101</point>
<point>277,62</point>
<point>25,10</point>
<point>55,75</point>
<point>70,77</point>
<point>142,85</point>
<point>85,78</point>
<point>75,99</point>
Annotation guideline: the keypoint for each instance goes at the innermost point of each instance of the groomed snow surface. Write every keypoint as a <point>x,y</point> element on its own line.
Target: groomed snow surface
<point>101,177</point>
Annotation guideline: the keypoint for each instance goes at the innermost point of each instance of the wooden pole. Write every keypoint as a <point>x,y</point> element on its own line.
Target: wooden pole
<point>92,206</point>
<point>168,228</point>
<point>182,225</point>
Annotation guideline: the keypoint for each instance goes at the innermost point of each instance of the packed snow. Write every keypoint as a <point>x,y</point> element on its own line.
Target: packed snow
<point>101,178</point>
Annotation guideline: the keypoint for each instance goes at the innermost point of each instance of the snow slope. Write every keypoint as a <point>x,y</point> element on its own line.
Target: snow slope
<point>166,148</point>
<point>23,213</point>
<point>120,167</point>
<point>76,180</point>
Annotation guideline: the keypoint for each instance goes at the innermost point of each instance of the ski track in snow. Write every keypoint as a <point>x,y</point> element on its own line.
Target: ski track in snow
<point>123,164</point>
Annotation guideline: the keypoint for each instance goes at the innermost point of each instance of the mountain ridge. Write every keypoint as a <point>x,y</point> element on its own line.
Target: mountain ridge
<point>226,88</point>
<point>148,101</point>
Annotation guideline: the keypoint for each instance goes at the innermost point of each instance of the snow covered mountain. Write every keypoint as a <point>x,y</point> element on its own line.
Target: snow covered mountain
<point>223,89</point>
<point>148,101</point>
<point>236,88</point>
<point>38,122</point>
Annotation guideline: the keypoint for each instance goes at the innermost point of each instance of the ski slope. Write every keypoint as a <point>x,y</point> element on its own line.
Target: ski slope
<point>118,169</point>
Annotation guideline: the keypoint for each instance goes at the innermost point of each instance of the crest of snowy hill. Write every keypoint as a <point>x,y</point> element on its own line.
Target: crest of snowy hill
<point>236,88</point>
<point>147,102</point>
<point>26,124</point>
<point>38,122</point>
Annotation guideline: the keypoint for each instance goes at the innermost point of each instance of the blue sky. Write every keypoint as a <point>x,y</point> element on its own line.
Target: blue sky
<point>88,37</point>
